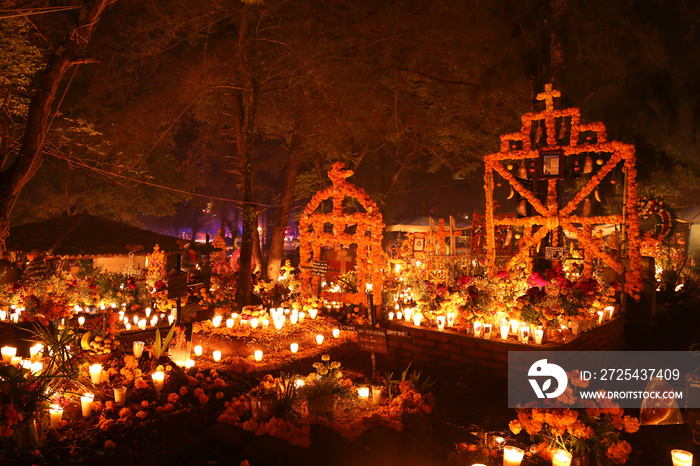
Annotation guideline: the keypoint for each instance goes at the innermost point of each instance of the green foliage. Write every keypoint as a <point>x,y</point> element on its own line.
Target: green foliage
<point>160,346</point>
<point>287,396</point>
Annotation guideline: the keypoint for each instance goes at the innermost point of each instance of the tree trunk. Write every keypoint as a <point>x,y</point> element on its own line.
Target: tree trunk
<point>244,116</point>
<point>40,110</point>
<point>289,178</point>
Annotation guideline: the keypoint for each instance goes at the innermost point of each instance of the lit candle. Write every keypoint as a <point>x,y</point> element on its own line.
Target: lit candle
<point>189,363</point>
<point>198,350</point>
<point>81,321</point>
<point>417,318</point>
<point>391,316</point>
<point>450,319</point>
<point>377,394</point>
<point>154,321</point>
<point>171,319</point>
<point>681,458</point>
<point>7,353</point>
<point>258,355</point>
<point>216,355</point>
<point>600,317</point>
<point>86,403</point>
<point>407,314</point>
<point>15,317</point>
<point>313,312</point>
<point>148,312</point>
<point>399,315</point>
<point>254,322</point>
<point>524,333</point>
<point>363,392</point>
<point>294,318</point>
<point>336,333</point>
<point>36,367</point>
<point>120,396</point>
<point>229,323</point>
<point>3,315</point>
<point>538,333</point>
<point>279,322</point>
<point>512,456</point>
<point>216,321</point>
<point>319,339</point>
<point>440,320</point>
<point>610,311</point>
<point>136,320</point>
<point>561,458</point>
<point>95,373</point>
<point>265,322</point>
<point>16,361</point>
<point>127,325</point>
<point>487,331</point>
<point>138,349</point>
<point>35,351</point>
<point>56,414</point>
<point>158,380</point>
<point>514,324</point>
<point>302,315</point>
<point>142,324</point>
<point>478,329</point>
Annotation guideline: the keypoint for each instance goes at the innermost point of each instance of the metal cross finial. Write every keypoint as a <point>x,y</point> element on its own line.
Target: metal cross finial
<point>548,96</point>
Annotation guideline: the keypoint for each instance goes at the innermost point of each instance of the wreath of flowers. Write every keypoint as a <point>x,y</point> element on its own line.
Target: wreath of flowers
<point>518,146</point>
<point>313,236</point>
<point>648,208</point>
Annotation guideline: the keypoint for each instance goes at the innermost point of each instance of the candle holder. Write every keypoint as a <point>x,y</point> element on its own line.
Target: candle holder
<point>216,355</point>
<point>86,402</point>
<point>138,349</point>
<point>319,339</point>
<point>681,458</point>
<point>294,347</point>
<point>258,355</point>
<point>8,352</point>
<point>158,381</point>
<point>198,350</point>
<point>55,415</point>
<point>440,321</point>
<point>120,396</point>
<point>512,456</point>
<point>336,333</point>
<point>561,458</point>
<point>95,373</point>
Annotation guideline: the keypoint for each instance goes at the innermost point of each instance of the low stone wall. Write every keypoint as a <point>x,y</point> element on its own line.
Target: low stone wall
<point>449,351</point>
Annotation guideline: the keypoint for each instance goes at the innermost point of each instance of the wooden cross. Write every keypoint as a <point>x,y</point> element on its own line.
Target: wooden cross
<point>548,96</point>
<point>441,234</point>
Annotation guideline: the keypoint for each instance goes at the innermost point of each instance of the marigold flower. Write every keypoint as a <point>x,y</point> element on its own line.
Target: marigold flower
<point>142,415</point>
<point>110,444</point>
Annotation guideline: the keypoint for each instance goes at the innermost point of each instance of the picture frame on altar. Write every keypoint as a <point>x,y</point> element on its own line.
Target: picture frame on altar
<point>551,165</point>
<point>419,244</point>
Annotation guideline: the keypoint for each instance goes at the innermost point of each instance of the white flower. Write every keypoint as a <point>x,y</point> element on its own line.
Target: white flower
<point>326,357</point>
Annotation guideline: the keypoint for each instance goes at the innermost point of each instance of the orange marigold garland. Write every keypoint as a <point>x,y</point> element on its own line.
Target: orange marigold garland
<point>313,236</point>
<point>519,146</point>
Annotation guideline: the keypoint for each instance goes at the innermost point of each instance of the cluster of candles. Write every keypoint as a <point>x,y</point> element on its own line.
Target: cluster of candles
<point>278,316</point>
<point>375,391</point>
<point>12,315</point>
<point>34,364</point>
<point>141,322</point>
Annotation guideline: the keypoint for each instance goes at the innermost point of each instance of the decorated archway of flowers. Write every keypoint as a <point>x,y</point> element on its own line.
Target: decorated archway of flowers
<point>329,230</point>
<point>551,135</point>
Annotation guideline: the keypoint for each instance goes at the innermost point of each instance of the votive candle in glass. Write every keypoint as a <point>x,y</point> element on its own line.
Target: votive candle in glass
<point>148,312</point>
<point>254,322</point>
<point>319,339</point>
<point>142,324</point>
<point>294,347</point>
<point>120,396</point>
<point>487,331</point>
<point>158,380</point>
<point>302,316</point>
<point>171,319</point>
<point>514,325</point>
<point>138,349</point>
<point>478,329</point>
<point>417,317</point>
<point>258,355</point>
<point>363,392</point>
<point>154,321</point>
<point>450,319</point>
<point>561,458</point>
<point>313,313</point>
<point>216,355</point>
<point>189,363</point>
<point>681,458</point>
<point>279,322</point>
<point>86,403</point>
<point>35,351</point>
<point>524,333</point>
<point>81,321</point>
<point>377,394</point>
<point>538,334</point>
<point>7,353</point>
<point>229,323</point>
<point>336,333</point>
<point>198,350</point>
<point>294,317</point>
<point>265,322</point>
<point>512,456</point>
<point>95,373</point>
<point>55,414</point>
<point>440,320</point>
<point>216,321</point>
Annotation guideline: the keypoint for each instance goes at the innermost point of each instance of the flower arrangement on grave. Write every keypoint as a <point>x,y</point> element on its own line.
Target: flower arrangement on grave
<point>593,430</point>
<point>221,297</point>
<point>326,383</point>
